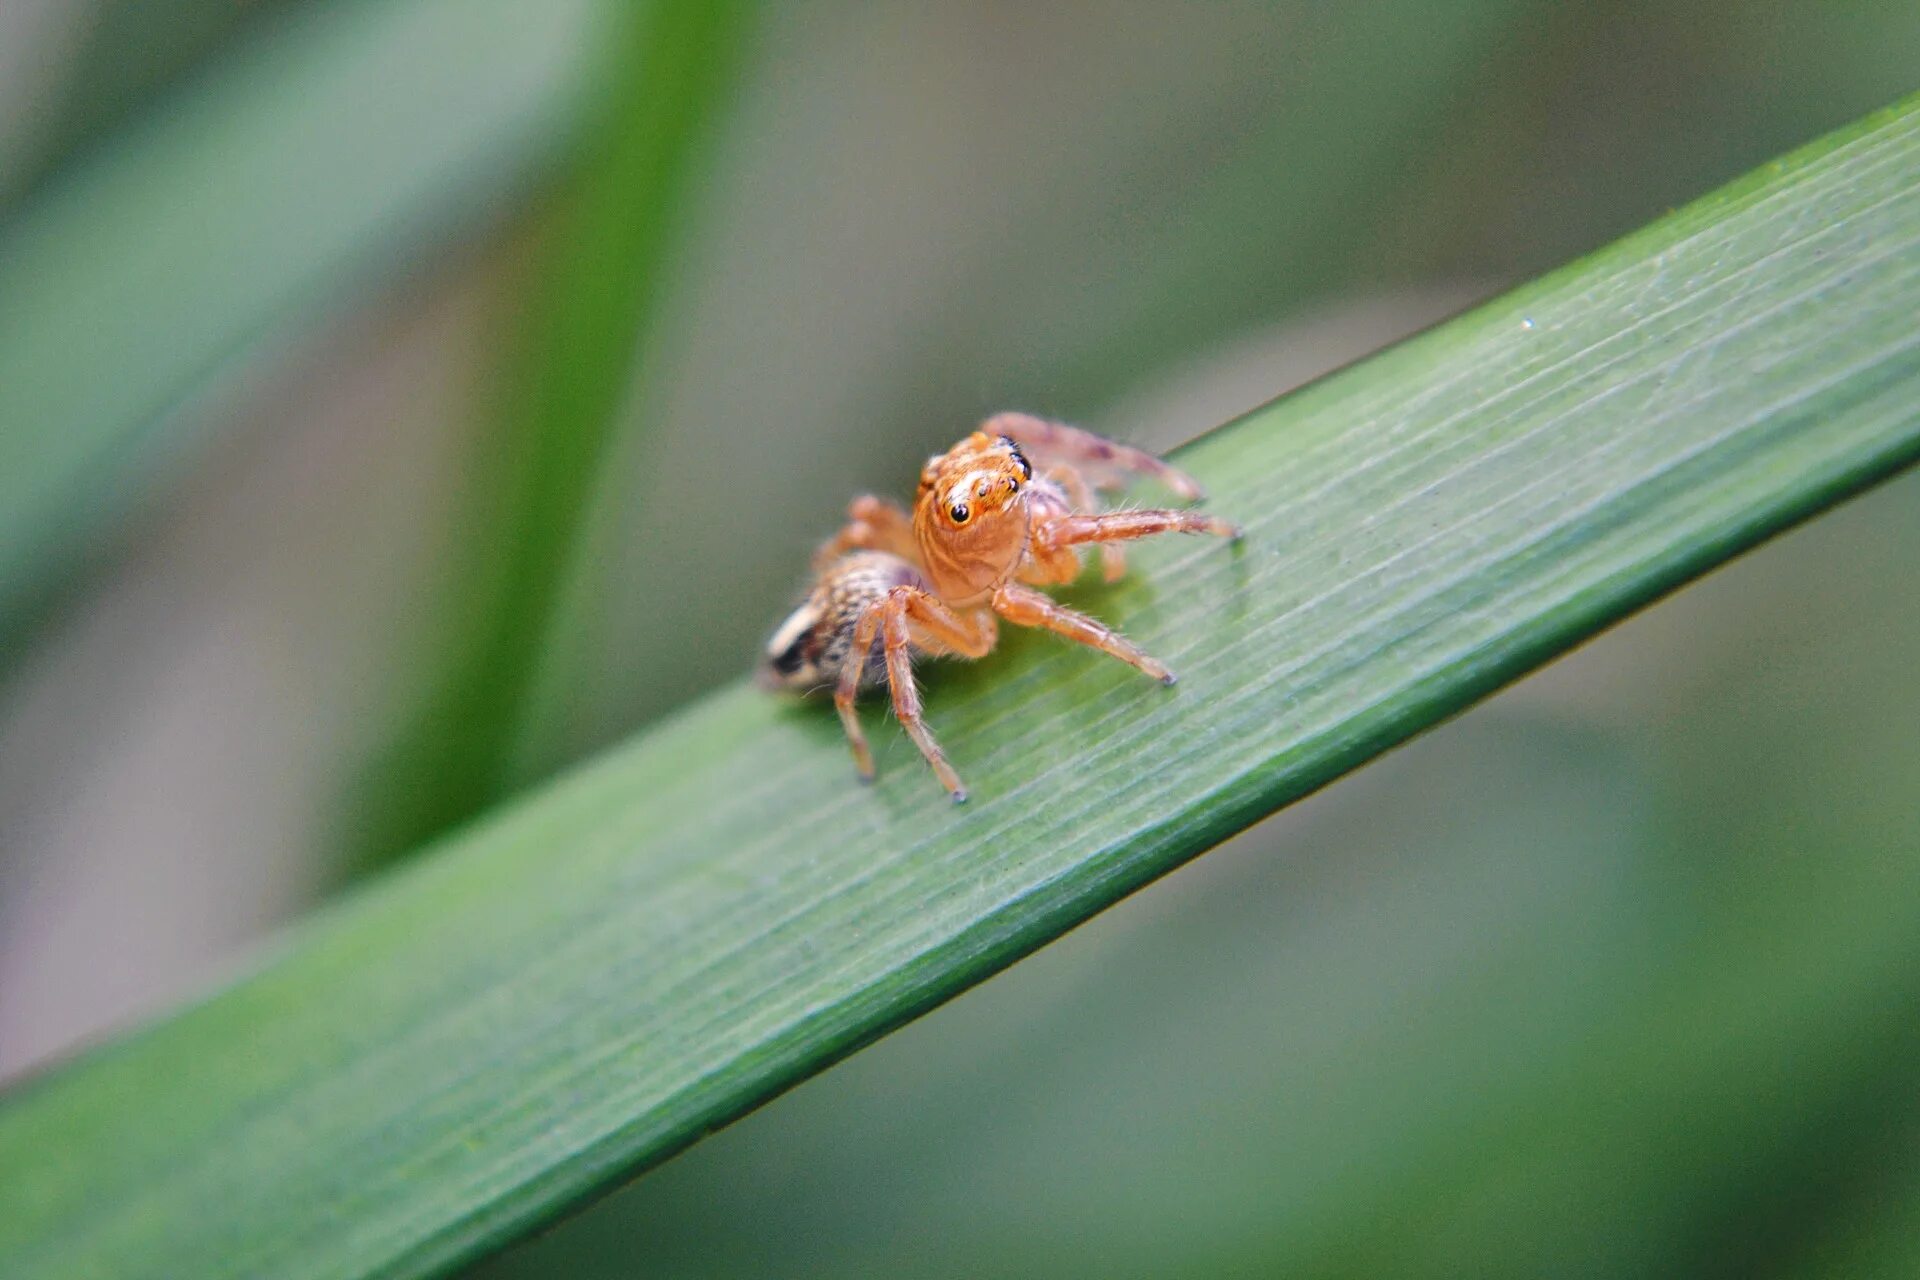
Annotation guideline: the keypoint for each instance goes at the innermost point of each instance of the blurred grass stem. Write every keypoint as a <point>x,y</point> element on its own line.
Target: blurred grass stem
<point>602,263</point>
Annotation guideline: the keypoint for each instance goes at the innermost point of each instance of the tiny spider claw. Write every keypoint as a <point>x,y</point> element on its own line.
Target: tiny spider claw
<point>1168,678</point>
<point>960,796</point>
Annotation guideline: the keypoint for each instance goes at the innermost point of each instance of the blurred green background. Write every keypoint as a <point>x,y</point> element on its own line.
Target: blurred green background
<point>314,318</point>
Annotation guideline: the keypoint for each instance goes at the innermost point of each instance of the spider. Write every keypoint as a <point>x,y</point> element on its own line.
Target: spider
<point>995,517</point>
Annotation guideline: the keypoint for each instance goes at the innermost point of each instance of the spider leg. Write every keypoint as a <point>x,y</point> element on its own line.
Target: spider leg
<point>864,633</point>
<point>906,696</point>
<point>906,618</point>
<point>1113,560</point>
<point>1114,526</point>
<point>1108,462</point>
<point>873,524</point>
<point>1026,607</point>
<point>938,628</point>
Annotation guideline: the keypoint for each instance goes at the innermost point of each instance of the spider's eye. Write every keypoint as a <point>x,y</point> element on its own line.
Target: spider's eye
<point>958,511</point>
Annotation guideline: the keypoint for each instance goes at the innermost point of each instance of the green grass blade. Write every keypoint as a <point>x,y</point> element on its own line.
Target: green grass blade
<point>593,978</point>
<point>602,270</point>
<point>314,160</point>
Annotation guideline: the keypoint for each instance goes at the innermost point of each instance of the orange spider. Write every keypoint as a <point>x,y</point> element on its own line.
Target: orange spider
<point>994,516</point>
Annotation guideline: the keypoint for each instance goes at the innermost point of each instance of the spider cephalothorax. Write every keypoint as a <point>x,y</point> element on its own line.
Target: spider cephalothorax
<point>1008,508</point>
<point>972,520</point>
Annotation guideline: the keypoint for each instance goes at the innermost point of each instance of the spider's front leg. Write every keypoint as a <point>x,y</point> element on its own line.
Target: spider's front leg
<point>873,524</point>
<point>1076,529</point>
<point>1026,607</point>
<point>906,618</point>
<point>1107,463</point>
<point>1052,559</point>
<point>1113,560</point>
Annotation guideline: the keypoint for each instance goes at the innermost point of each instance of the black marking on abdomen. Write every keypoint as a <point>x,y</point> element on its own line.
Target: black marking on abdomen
<point>791,659</point>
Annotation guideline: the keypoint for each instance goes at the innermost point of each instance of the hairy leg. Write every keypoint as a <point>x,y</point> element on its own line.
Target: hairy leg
<point>865,631</point>
<point>873,524</point>
<point>906,697</point>
<point>1107,462</point>
<point>1053,494</point>
<point>1115,526</point>
<point>1026,607</point>
<point>894,620</point>
<point>937,628</point>
<point>1113,561</point>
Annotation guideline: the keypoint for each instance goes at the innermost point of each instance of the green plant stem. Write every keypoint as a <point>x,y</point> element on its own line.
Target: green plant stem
<point>326,149</point>
<point>603,265</point>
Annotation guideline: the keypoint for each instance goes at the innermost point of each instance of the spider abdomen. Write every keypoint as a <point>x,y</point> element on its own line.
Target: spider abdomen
<point>811,647</point>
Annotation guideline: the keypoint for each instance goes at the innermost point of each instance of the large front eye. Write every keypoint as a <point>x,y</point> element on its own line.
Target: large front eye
<point>959,513</point>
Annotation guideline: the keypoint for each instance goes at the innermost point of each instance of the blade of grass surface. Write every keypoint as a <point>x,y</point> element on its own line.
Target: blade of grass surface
<point>596,290</point>
<point>1481,1006</point>
<point>601,973</point>
<point>315,160</point>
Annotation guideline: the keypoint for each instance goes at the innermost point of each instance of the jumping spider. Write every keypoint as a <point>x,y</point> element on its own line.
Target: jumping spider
<point>995,516</point>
